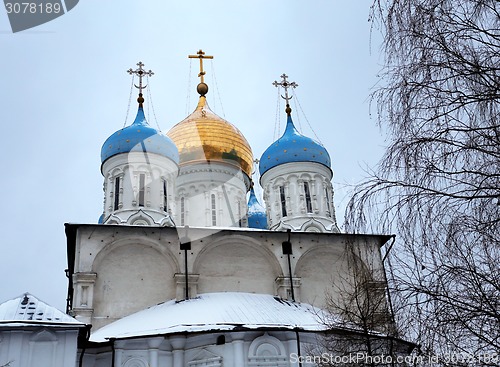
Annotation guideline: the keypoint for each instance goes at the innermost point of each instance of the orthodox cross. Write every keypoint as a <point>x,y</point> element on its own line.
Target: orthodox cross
<point>201,55</point>
<point>285,84</point>
<point>140,72</point>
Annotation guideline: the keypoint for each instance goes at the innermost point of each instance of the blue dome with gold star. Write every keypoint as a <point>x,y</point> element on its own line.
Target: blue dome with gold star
<point>139,137</point>
<point>293,147</point>
<point>257,217</point>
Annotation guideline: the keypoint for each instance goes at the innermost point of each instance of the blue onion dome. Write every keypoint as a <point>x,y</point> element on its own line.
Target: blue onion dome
<point>256,213</point>
<point>293,147</point>
<point>139,137</point>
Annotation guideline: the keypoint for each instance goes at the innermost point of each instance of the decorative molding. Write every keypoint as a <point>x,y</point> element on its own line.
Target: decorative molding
<point>135,362</point>
<point>266,350</point>
<point>284,289</point>
<point>205,358</point>
<point>180,282</point>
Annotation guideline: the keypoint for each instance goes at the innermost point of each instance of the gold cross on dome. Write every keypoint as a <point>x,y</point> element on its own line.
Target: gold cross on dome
<point>285,84</point>
<point>140,72</point>
<point>201,55</point>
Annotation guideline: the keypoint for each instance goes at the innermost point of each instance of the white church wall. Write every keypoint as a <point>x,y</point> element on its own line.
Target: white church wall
<point>137,267</point>
<point>248,266</point>
<point>38,346</point>
<point>251,348</point>
<point>118,293</point>
<point>323,271</point>
<point>197,183</point>
<point>129,168</point>
<point>300,208</point>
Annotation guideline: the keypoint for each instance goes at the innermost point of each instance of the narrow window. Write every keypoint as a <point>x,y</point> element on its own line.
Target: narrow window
<point>117,193</point>
<point>165,202</point>
<point>308,197</point>
<point>142,179</point>
<point>183,216</point>
<point>283,201</point>
<point>214,211</point>
<point>327,201</point>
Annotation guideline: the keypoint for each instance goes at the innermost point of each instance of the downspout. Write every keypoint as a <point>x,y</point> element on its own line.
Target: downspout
<point>298,347</point>
<point>113,352</point>
<point>185,245</point>
<point>70,292</point>
<point>287,250</point>
<point>87,337</point>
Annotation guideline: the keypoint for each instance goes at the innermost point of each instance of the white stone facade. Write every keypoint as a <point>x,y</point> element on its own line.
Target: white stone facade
<point>121,270</point>
<point>34,346</point>
<point>211,194</point>
<point>299,196</point>
<point>33,333</point>
<point>139,189</point>
<point>228,349</point>
<point>126,270</point>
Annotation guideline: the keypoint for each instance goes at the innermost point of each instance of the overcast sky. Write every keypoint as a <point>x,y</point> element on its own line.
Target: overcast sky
<point>65,90</point>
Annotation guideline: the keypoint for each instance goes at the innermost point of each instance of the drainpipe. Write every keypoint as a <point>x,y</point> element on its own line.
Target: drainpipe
<point>287,250</point>
<point>185,245</point>
<point>87,337</point>
<point>112,352</point>
<point>298,347</point>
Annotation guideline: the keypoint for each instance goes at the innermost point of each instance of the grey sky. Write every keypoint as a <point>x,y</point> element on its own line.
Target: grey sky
<point>65,90</point>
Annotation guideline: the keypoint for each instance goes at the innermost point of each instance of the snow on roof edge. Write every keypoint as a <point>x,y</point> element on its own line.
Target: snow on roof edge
<point>27,309</point>
<point>223,311</point>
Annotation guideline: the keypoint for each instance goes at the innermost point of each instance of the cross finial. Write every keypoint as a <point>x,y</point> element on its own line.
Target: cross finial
<point>202,87</point>
<point>140,72</point>
<point>286,84</point>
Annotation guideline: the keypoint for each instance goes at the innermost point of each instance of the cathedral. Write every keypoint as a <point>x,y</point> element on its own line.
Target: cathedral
<point>186,267</point>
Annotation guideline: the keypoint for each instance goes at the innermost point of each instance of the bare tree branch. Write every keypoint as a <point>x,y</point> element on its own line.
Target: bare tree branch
<point>438,184</point>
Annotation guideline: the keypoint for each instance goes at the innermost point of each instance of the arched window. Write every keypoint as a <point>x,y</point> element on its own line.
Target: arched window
<point>165,196</point>
<point>283,201</point>
<point>117,193</point>
<point>307,194</point>
<point>142,183</point>
<point>214,210</point>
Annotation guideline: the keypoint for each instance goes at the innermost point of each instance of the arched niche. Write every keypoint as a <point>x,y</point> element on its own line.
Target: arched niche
<point>325,272</point>
<point>135,362</point>
<point>236,263</point>
<point>266,350</point>
<point>42,348</point>
<point>132,274</point>
<point>44,336</point>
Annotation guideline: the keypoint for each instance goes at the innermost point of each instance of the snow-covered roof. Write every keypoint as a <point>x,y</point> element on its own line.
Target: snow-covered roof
<point>29,310</point>
<point>215,312</point>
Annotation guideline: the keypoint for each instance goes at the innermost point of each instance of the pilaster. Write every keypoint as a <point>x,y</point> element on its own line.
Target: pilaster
<point>83,305</point>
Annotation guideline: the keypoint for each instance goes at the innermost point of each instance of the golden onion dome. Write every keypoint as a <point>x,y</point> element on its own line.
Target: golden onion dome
<point>204,136</point>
